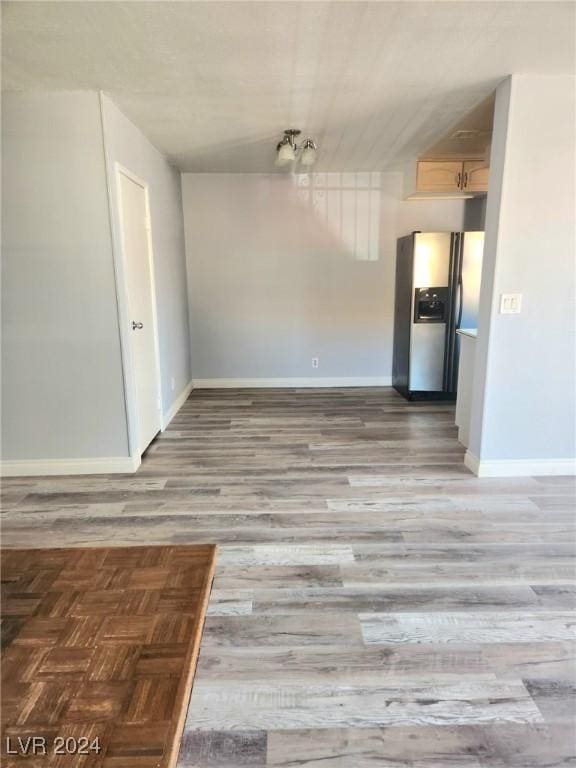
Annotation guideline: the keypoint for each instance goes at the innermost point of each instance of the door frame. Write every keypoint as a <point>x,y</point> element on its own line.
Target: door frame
<point>128,365</point>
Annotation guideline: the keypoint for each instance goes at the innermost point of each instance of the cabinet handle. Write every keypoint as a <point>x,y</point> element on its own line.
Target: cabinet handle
<point>458,179</point>
<point>465,180</point>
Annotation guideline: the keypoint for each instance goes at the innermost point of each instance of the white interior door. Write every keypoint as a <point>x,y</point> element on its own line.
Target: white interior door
<point>141,308</point>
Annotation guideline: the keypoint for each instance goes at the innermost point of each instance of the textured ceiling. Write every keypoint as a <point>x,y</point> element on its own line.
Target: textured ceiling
<point>213,84</point>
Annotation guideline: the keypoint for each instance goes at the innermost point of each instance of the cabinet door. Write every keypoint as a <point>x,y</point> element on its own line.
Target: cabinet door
<point>439,176</point>
<point>475,177</point>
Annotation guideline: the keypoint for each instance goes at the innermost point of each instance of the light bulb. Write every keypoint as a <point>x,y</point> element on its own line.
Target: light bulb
<point>308,154</point>
<point>285,154</point>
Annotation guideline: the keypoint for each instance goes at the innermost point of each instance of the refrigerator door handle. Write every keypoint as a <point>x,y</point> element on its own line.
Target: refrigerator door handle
<point>454,351</point>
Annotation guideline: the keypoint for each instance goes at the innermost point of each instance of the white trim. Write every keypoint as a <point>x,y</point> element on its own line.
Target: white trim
<point>120,286</point>
<point>123,300</point>
<point>97,466</point>
<point>519,467</point>
<point>472,462</point>
<point>176,405</point>
<point>345,381</point>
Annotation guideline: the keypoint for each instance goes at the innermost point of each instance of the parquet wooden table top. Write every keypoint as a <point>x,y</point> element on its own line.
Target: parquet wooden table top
<point>100,647</point>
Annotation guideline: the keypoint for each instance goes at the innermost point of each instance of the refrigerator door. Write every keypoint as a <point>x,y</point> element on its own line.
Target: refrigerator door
<point>431,259</point>
<point>431,269</point>
<point>427,358</point>
<point>466,271</point>
<point>471,273</point>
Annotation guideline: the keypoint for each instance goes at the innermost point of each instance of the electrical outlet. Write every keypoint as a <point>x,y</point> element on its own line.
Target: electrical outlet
<point>173,383</point>
<point>315,362</point>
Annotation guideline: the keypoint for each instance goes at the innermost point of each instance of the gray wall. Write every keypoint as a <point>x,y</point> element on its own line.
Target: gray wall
<point>475,214</point>
<point>524,403</point>
<point>127,145</point>
<point>284,268</point>
<point>63,388</point>
<point>62,393</point>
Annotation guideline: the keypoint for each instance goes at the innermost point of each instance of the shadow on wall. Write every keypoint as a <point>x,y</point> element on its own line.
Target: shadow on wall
<point>336,216</point>
<point>348,206</point>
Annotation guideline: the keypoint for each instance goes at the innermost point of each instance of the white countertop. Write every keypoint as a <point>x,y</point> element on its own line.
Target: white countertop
<point>471,332</point>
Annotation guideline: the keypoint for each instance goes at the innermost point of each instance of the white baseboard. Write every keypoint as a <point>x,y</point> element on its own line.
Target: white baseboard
<point>176,405</point>
<point>472,462</point>
<point>519,467</point>
<point>41,467</point>
<point>344,381</point>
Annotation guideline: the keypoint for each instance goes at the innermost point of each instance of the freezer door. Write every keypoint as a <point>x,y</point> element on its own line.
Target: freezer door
<point>427,340</point>
<point>431,259</point>
<point>472,251</point>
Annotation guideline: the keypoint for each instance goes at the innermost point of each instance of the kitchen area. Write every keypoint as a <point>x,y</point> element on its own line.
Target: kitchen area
<point>438,274</point>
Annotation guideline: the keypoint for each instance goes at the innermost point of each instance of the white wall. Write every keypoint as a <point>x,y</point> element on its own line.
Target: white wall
<point>524,398</point>
<point>127,145</point>
<point>62,391</point>
<point>284,268</point>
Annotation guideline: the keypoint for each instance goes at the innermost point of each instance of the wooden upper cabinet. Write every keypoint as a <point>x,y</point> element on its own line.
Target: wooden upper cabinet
<point>452,176</point>
<point>439,176</point>
<point>475,176</point>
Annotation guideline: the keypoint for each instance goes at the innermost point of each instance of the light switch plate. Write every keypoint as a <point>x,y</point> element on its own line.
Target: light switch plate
<point>510,303</point>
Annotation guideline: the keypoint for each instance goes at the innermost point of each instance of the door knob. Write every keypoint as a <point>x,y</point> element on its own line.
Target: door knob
<point>136,325</point>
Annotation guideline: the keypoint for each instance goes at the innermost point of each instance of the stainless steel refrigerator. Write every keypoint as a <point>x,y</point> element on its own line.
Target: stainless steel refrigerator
<point>437,292</point>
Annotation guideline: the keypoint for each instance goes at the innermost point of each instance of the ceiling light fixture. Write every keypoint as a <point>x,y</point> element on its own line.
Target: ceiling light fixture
<point>308,156</point>
<point>287,150</point>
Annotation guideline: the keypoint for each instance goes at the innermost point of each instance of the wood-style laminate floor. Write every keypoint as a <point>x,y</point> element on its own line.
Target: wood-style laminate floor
<point>374,603</point>
<point>99,648</point>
